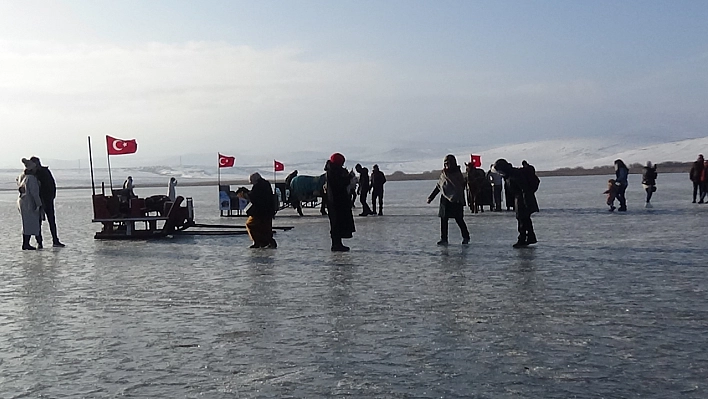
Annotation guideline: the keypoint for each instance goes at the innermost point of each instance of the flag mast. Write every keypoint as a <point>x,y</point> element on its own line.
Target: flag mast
<point>93,185</point>
<point>110,177</point>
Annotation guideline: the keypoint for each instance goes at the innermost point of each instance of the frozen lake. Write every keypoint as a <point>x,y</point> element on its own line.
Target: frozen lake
<point>606,305</point>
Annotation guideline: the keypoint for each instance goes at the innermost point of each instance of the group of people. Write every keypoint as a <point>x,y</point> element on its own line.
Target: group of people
<point>617,187</point>
<point>362,185</point>
<point>37,189</point>
<point>522,184</point>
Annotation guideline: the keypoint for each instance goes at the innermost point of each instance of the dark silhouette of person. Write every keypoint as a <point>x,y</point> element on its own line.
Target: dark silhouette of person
<point>497,183</point>
<point>364,188</point>
<point>341,221</point>
<point>649,182</point>
<point>261,212</point>
<point>48,192</point>
<point>378,179</point>
<point>621,179</point>
<point>523,184</point>
<point>695,176</point>
<point>451,185</point>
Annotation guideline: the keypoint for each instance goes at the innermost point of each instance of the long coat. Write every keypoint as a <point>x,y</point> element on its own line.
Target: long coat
<point>522,188</point>
<point>29,204</point>
<point>341,220</point>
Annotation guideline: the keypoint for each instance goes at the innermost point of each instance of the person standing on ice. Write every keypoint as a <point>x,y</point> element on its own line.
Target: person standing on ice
<point>452,201</point>
<point>341,220</point>
<point>30,205</point>
<point>522,185</point>
<point>378,179</point>
<point>171,192</point>
<point>695,176</point>
<point>621,173</point>
<point>649,182</point>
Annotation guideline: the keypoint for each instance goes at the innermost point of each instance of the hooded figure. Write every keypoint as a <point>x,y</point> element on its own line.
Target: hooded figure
<point>30,205</point>
<point>364,188</point>
<point>649,182</point>
<point>341,221</point>
<point>171,192</point>
<point>452,201</point>
<point>522,185</point>
<point>261,212</point>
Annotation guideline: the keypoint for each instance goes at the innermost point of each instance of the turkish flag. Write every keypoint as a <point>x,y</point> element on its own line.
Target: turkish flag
<point>226,161</point>
<point>119,147</point>
<point>279,167</point>
<point>476,160</point>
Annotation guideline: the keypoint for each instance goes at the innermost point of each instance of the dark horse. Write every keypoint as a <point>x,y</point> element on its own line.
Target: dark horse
<point>308,189</point>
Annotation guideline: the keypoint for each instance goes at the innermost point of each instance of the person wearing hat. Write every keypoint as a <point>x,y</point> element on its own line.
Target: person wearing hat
<point>48,192</point>
<point>341,220</point>
<point>452,201</point>
<point>260,213</point>
<point>30,205</point>
<point>695,176</point>
<point>522,185</point>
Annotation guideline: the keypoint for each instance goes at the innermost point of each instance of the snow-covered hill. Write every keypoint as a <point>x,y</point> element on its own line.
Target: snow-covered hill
<point>545,155</point>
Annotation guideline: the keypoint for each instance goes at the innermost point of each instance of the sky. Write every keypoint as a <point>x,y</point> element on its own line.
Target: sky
<point>275,77</point>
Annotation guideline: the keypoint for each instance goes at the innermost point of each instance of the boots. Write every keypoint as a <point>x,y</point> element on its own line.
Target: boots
<point>337,245</point>
<point>26,242</point>
<point>531,239</point>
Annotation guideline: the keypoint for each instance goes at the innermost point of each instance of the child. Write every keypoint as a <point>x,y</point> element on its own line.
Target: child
<point>611,194</point>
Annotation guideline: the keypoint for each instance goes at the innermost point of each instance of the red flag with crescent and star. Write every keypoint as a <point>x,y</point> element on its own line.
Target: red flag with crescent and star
<point>278,166</point>
<point>226,161</point>
<point>477,160</point>
<point>119,147</point>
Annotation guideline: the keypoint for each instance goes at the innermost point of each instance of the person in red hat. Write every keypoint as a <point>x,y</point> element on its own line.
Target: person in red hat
<point>341,220</point>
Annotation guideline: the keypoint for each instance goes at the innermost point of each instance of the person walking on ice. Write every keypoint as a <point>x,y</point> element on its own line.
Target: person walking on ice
<point>451,185</point>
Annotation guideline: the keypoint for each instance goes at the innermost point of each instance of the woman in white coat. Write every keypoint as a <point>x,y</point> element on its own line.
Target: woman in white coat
<point>30,205</point>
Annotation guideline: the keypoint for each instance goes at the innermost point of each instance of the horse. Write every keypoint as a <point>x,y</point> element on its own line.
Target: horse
<point>307,189</point>
<point>476,180</point>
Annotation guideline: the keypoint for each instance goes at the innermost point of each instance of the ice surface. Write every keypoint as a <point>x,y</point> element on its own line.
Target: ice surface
<point>606,305</point>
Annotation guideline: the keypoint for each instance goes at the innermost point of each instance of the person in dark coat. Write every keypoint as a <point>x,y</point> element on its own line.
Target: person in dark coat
<point>260,213</point>
<point>695,176</point>
<point>364,188</point>
<point>523,184</point>
<point>649,182</point>
<point>341,221</point>
<point>452,201</point>
<point>47,192</point>
<point>621,175</point>
<point>378,179</point>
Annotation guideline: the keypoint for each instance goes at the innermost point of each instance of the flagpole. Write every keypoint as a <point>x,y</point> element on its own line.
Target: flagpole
<point>110,177</point>
<point>218,171</point>
<point>93,185</point>
<point>274,175</point>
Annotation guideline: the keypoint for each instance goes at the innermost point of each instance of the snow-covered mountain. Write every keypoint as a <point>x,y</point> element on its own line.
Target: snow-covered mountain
<point>545,155</point>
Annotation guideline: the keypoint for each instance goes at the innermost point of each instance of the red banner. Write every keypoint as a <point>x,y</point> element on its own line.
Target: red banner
<point>477,161</point>
<point>226,161</point>
<point>119,147</point>
<point>278,166</point>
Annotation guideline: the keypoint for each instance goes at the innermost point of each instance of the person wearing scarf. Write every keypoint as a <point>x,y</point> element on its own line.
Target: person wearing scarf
<point>451,185</point>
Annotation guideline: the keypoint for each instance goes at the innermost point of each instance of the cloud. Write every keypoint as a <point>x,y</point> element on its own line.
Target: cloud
<point>215,96</point>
